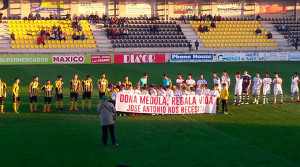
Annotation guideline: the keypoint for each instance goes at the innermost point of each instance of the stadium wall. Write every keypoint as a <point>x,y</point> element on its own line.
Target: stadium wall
<point>148,58</point>
<point>129,8</point>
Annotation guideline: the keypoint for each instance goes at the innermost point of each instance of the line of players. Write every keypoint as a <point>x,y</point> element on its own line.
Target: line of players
<point>182,87</point>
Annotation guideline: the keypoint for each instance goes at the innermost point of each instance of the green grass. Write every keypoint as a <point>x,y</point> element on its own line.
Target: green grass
<point>253,135</point>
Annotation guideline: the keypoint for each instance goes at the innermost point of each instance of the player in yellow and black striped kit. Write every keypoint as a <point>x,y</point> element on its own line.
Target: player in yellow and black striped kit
<point>102,86</point>
<point>74,91</point>
<point>87,89</point>
<point>34,93</point>
<point>2,94</point>
<point>59,93</point>
<point>48,92</point>
<point>16,96</point>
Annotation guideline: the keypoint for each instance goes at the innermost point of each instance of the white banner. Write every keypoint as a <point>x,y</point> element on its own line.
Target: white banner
<point>140,8</point>
<point>230,7</point>
<point>230,57</point>
<point>277,56</point>
<point>193,104</point>
<point>88,7</point>
<point>295,56</point>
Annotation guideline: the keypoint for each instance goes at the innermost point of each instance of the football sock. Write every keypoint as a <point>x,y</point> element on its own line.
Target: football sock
<point>49,105</point>
<point>35,106</point>
<point>243,97</point>
<point>83,102</point>
<point>247,97</point>
<point>281,97</point>
<point>31,106</point>
<point>18,105</point>
<point>15,107</point>
<point>258,97</point>
<point>61,104</point>
<point>297,95</point>
<point>75,104</point>
<point>45,105</point>
<point>240,98</point>
<point>71,104</point>
<point>90,102</point>
<point>56,105</point>
<point>235,96</point>
<point>274,98</point>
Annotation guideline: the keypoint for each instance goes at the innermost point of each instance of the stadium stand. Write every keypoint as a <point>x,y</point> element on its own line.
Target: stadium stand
<point>141,34</point>
<point>27,31</point>
<point>233,34</point>
<point>288,28</point>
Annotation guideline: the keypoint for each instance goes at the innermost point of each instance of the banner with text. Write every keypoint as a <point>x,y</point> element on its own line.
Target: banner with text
<point>46,6</point>
<point>237,57</point>
<point>193,104</point>
<point>185,8</point>
<point>230,7</point>
<point>101,59</point>
<point>295,56</point>
<point>139,58</point>
<point>179,58</point>
<point>277,56</point>
<point>92,6</point>
<point>141,7</point>
<point>274,9</point>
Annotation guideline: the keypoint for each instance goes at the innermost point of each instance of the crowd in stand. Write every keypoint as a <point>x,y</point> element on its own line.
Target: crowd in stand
<point>113,33</point>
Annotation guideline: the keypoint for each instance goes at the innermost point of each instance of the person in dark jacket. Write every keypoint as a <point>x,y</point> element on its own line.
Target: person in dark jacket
<point>107,112</point>
<point>197,45</point>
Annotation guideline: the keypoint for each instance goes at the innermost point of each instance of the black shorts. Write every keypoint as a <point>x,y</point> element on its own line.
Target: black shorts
<point>101,95</point>
<point>15,100</point>
<point>59,97</point>
<point>33,99</point>
<point>1,100</point>
<point>87,95</point>
<point>74,95</point>
<point>48,100</point>
<point>245,89</point>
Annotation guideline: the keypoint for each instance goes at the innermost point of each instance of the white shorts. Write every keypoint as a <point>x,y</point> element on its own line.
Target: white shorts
<point>266,91</point>
<point>255,91</point>
<point>277,92</point>
<point>237,91</point>
<point>294,89</point>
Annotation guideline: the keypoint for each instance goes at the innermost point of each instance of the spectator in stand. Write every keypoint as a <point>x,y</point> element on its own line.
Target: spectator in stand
<point>82,37</point>
<point>113,32</point>
<point>213,24</point>
<point>104,17</point>
<point>195,17</point>
<point>297,43</point>
<point>197,45</point>
<point>68,16</point>
<point>52,36</point>
<point>40,40</point>
<point>200,29</point>
<point>77,19</point>
<point>12,36</point>
<point>219,18</point>
<point>155,17</point>
<point>51,16</point>
<point>1,17</point>
<point>62,37</point>
<point>289,41</point>
<point>30,16</point>
<point>215,18</point>
<point>210,17</point>
<point>205,28</point>
<point>43,32</point>
<point>258,18</point>
<point>258,31</point>
<point>96,19</point>
<point>178,29</point>
<point>201,17</point>
<point>205,17</point>
<point>92,18</point>
<point>190,45</point>
<point>79,27</point>
<point>125,32</point>
<point>37,16</point>
<point>74,24</point>
<point>183,17</point>
<point>269,35</point>
<point>75,37</point>
<point>117,32</point>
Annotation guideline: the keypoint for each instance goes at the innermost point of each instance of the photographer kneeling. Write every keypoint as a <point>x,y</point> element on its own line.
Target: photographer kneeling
<point>107,113</point>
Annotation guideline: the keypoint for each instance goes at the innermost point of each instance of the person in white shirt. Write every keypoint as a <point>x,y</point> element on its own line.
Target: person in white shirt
<point>137,90</point>
<point>206,91</point>
<point>192,91</point>
<point>216,93</point>
<point>122,90</point>
<point>179,80</point>
<point>130,90</point>
<point>257,83</point>
<point>199,90</point>
<point>144,92</point>
<point>185,91</point>
<point>238,88</point>
<point>161,91</point>
<point>201,81</point>
<point>190,82</point>
<point>225,79</point>
<point>178,91</point>
<point>169,92</point>
<point>152,91</point>
<point>217,80</point>
<point>277,81</point>
<point>294,87</point>
<point>267,81</point>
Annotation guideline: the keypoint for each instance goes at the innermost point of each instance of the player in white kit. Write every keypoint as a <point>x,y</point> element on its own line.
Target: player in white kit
<point>294,87</point>
<point>169,92</point>
<point>257,83</point>
<point>217,80</point>
<point>277,81</point>
<point>225,79</point>
<point>267,81</point>
<point>161,91</point>
<point>190,82</point>
<point>201,81</point>
<point>238,88</point>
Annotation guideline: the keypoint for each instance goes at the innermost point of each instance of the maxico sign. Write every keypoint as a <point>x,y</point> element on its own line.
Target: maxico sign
<point>68,59</point>
<point>139,58</point>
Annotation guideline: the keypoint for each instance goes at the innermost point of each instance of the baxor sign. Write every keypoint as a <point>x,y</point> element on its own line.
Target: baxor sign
<point>139,58</point>
<point>68,59</point>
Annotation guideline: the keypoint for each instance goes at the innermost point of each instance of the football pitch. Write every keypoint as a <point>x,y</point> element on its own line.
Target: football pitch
<point>250,135</point>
